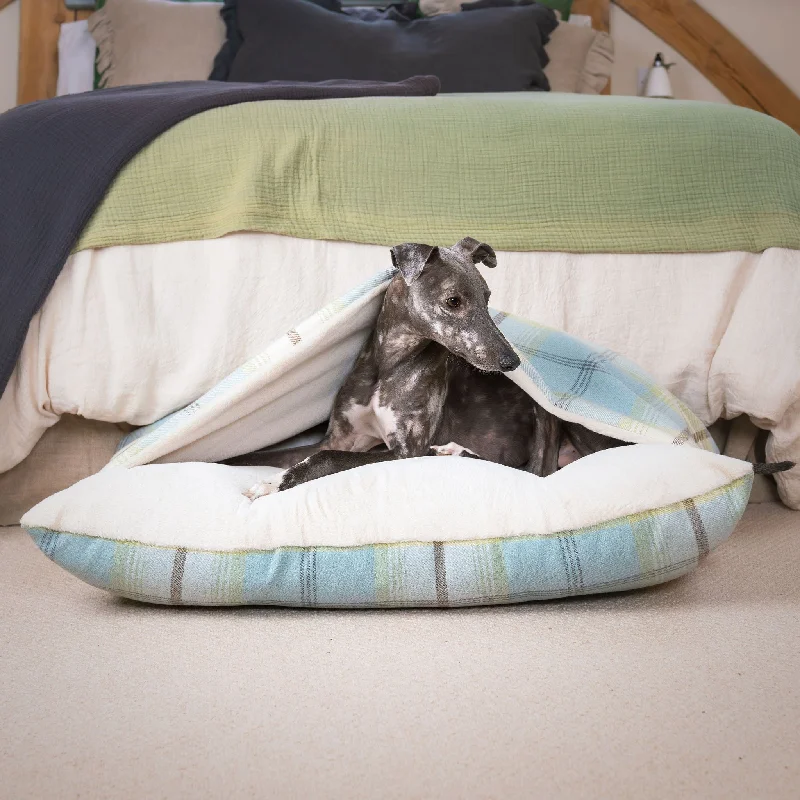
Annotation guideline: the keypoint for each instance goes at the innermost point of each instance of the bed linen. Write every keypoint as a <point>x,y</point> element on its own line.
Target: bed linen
<point>68,150</point>
<point>526,171</point>
<point>570,173</point>
<point>132,333</point>
<point>76,50</point>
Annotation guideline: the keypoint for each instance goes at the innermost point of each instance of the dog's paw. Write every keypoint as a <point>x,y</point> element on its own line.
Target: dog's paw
<point>567,454</point>
<point>285,479</point>
<point>264,488</point>
<point>453,449</point>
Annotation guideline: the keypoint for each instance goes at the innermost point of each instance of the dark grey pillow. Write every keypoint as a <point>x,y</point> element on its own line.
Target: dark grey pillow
<point>398,12</point>
<point>494,50</point>
<point>233,37</point>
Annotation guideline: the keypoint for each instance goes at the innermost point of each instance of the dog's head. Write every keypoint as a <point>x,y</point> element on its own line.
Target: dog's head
<point>447,301</point>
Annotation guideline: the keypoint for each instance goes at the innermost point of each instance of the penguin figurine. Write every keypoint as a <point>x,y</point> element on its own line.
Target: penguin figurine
<point>658,83</point>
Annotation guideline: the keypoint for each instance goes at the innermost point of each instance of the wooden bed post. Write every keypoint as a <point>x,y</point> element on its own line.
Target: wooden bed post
<point>39,23</point>
<point>598,10</point>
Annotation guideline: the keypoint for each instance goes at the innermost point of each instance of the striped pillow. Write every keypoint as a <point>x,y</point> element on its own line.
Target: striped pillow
<point>419,532</point>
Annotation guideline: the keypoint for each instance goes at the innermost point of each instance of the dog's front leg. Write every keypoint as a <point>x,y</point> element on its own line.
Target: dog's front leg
<point>411,436</point>
<point>329,462</point>
<point>545,443</point>
<point>317,465</point>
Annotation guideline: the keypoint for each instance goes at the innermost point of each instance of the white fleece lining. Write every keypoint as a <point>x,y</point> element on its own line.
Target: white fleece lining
<point>201,506</point>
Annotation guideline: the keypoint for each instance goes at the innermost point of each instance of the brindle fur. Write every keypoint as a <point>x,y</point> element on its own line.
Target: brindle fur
<point>431,374</point>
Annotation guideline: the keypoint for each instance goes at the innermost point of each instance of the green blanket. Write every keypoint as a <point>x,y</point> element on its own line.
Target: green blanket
<point>522,171</point>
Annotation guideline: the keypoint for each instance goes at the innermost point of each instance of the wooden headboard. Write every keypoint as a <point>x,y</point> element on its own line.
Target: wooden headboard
<point>682,24</point>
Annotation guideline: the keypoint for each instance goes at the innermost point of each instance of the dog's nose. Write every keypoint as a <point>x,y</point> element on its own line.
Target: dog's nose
<point>509,361</point>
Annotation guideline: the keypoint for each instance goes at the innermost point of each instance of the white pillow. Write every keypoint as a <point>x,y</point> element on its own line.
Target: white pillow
<point>150,41</point>
<point>76,51</point>
<point>581,59</point>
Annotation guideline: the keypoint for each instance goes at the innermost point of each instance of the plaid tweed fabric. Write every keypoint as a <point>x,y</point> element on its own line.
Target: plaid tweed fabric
<point>628,553</point>
<point>528,171</point>
<point>581,383</point>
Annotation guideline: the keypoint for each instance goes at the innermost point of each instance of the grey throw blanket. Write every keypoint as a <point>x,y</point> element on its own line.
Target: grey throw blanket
<point>60,156</point>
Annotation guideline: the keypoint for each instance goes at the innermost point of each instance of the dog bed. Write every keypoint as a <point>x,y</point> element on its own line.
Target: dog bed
<point>420,532</point>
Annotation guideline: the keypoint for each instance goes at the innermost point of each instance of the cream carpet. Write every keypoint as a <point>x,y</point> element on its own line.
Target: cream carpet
<point>689,690</point>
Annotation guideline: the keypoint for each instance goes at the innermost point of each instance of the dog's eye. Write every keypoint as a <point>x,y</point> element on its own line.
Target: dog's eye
<point>453,302</point>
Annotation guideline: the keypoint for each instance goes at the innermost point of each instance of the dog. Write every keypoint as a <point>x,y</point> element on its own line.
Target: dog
<point>430,381</point>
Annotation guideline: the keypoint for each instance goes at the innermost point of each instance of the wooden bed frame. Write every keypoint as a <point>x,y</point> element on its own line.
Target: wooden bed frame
<point>682,24</point>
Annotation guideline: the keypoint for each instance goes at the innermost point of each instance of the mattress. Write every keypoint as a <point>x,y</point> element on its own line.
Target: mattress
<point>131,333</point>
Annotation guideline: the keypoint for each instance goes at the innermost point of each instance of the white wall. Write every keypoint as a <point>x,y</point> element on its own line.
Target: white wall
<point>635,46</point>
<point>769,27</point>
<point>9,48</point>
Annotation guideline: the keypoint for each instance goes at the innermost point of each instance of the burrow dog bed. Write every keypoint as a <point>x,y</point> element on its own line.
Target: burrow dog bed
<point>419,532</point>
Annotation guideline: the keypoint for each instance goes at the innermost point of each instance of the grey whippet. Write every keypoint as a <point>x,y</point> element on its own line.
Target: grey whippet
<point>429,382</point>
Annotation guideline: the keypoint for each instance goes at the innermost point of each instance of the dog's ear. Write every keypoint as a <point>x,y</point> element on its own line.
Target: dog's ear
<point>411,259</point>
<point>479,252</point>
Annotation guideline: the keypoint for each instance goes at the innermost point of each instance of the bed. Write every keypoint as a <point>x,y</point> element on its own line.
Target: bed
<point>727,305</point>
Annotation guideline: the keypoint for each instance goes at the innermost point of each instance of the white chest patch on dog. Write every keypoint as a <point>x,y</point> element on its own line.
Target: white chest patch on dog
<point>367,426</point>
<point>385,419</point>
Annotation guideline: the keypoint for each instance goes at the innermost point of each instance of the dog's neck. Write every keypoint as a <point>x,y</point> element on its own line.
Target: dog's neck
<point>398,340</point>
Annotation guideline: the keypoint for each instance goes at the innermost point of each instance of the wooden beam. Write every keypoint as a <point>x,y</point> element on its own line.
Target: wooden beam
<point>718,55</point>
<point>39,27</point>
